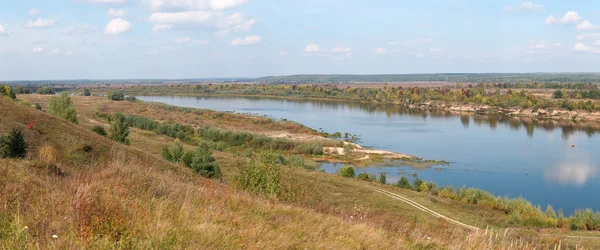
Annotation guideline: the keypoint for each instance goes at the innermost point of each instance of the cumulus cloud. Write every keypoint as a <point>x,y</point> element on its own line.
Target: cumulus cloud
<point>524,6</point>
<point>380,51</point>
<point>4,32</point>
<point>161,27</point>
<point>587,36</point>
<point>571,17</point>
<point>435,50</point>
<point>312,48</point>
<point>37,50</point>
<point>40,23</point>
<point>116,12</point>
<point>117,26</point>
<point>249,40</point>
<point>187,5</point>
<point>183,40</point>
<point>585,25</point>
<point>106,1</point>
<point>581,47</point>
<point>34,12</point>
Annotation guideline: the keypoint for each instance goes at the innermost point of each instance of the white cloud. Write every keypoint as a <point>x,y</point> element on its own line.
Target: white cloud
<point>380,51</point>
<point>77,31</point>
<point>187,5</point>
<point>183,40</point>
<point>40,23</point>
<point>571,17</point>
<point>312,48</point>
<point>392,43</point>
<point>249,40</point>
<point>581,47</point>
<point>585,25</point>
<point>37,50</point>
<point>587,36</point>
<point>69,53</point>
<point>283,54</point>
<point>116,12</point>
<point>4,32</point>
<point>557,44</point>
<point>117,26</point>
<point>245,25</point>
<point>55,52</point>
<point>203,42</point>
<point>161,27</point>
<point>226,4</point>
<point>435,50</point>
<point>181,17</point>
<point>221,22</point>
<point>598,42</point>
<point>34,12</point>
<point>106,1</point>
<point>524,6</point>
<point>341,50</point>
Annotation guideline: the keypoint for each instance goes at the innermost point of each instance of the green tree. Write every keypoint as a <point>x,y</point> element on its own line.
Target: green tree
<point>99,130</point>
<point>45,91</point>
<point>13,145</point>
<point>348,172</point>
<point>417,184</point>
<point>403,183</point>
<point>62,106</point>
<point>38,107</point>
<point>382,178</point>
<point>86,92</point>
<point>202,162</point>
<point>116,96</point>
<point>7,91</point>
<point>558,94</point>
<point>119,129</point>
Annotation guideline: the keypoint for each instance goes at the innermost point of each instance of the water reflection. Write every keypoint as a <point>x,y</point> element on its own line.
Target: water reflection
<point>576,174</point>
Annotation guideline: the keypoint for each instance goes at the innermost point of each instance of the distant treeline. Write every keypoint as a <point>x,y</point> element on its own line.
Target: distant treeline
<point>455,78</point>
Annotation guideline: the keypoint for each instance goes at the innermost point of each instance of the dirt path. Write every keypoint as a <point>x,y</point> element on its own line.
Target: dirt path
<point>423,208</point>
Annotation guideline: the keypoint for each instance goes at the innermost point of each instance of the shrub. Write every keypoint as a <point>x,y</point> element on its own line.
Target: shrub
<point>99,130</point>
<point>13,145</point>
<point>116,96</point>
<point>202,162</point>
<point>131,99</point>
<point>6,90</point>
<point>47,154</point>
<point>347,171</point>
<point>62,106</point>
<point>86,92</point>
<point>119,129</point>
<point>382,178</point>
<point>403,183</point>
<point>417,184</point>
<point>363,177</point>
<point>175,154</point>
<point>558,94</point>
<point>166,154</point>
<point>38,107</point>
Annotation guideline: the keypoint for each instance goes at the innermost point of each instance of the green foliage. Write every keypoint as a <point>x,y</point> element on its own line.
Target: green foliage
<point>417,184</point>
<point>382,178</point>
<point>175,154</point>
<point>45,91</point>
<point>558,94</point>
<point>166,154</point>
<point>6,90</point>
<point>119,129</point>
<point>347,171</point>
<point>116,96</point>
<point>363,177</point>
<point>62,106</point>
<point>266,176</point>
<point>86,92</point>
<point>131,99</point>
<point>99,130</point>
<point>202,162</point>
<point>13,145</point>
<point>38,107</point>
<point>404,183</point>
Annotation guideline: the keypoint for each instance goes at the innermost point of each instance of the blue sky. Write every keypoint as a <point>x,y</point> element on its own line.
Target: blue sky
<point>124,39</point>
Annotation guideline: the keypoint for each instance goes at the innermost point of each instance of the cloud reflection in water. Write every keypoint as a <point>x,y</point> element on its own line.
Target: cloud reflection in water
<point>576,174</point>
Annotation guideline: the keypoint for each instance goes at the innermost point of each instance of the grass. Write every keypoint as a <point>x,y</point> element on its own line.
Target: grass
<point>83,201</point>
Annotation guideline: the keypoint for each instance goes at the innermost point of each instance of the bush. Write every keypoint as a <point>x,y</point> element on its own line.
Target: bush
<point>174,155</point>
<point>48,155</point>
<point>116,96</point>
<point>363,177</point>
<point>6,90</point>
<point>62,106</point>
<point>119,129</point>
<point>99,130</point>
<point>202,162</point>
<point>86,92</point>
<point>347,171</point>
<point>13,145</point>
<point>403,183</point>
<point>382,178</point>
<point>38,107</point>
<point>131,99</point>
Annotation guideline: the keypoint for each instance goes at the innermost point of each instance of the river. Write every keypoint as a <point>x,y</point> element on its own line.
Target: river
<point>544,162</point>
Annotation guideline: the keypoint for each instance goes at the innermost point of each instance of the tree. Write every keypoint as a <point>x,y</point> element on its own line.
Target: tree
<point>417,184</point>
<point>202,162</point>
<point>99,130</point>
<point>382,178</point>
<point>558,94</point>
<point>119,129</point>
<point>13,145</point>
<point>45,91</point>
<point>38,107</point>
<point>7,91</point>
<point>348,172</point>
<point>62,106</point>
<point>403,183</point>
<point>86,92</point>
<point>116,96</point>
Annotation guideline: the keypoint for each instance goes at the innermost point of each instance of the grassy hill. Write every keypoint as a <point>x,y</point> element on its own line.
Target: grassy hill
<point>101,194</point>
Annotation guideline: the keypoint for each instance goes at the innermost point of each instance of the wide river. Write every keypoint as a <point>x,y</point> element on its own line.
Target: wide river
<point>504,156</point>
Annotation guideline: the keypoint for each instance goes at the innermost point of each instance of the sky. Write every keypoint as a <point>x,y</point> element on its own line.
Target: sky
<point>175,39</point>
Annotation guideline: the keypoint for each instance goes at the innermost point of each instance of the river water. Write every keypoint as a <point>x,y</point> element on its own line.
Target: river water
<point>545,162</point>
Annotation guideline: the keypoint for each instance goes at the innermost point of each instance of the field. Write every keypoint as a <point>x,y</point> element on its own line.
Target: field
<point>168,206</point>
